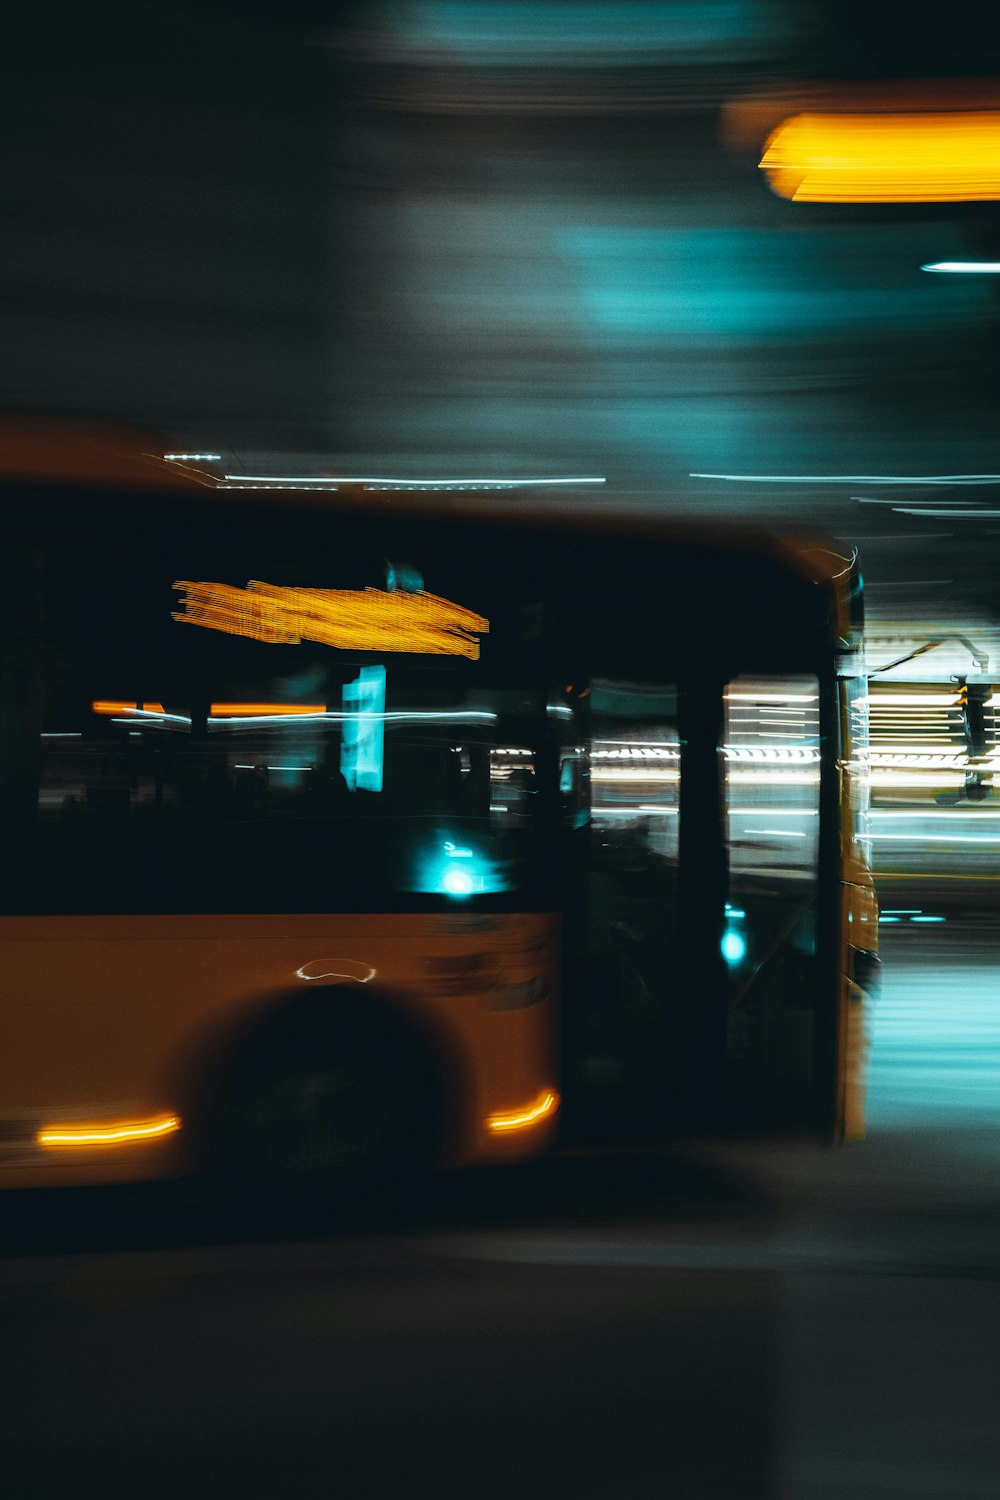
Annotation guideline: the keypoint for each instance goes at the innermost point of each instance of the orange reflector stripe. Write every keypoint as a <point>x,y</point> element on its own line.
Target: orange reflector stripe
<point>886,158</point>
<point>113,1134</point>
<point>520,1119</point>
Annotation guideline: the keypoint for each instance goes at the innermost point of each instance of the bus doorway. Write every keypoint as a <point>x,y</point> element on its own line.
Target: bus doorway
<point>693,909</point>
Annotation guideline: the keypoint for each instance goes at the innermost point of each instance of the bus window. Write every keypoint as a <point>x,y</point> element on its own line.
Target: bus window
<point>144,806</point>
<point>771,753</point>
<point>856,770</point>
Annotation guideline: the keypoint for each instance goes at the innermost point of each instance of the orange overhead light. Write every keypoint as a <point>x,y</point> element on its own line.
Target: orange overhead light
<point>930,157</point>
<point>263,710</point>
<point>117,706</point>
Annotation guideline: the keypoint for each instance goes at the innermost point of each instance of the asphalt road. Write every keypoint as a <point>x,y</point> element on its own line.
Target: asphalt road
<point>765,1319</point>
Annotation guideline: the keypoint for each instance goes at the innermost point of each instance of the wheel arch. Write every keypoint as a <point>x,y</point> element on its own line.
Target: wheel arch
<point>258,1038</point>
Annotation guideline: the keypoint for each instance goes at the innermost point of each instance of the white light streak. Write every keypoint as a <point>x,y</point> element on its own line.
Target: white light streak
<point>774,812</point>
<point>918,479</point>
<point>630,774</point>
<point>883,760</point>
<point>771,697</point>
<point>935,838</point>
<point>347,969</point>
<point>636,752</point>
<point>304,480</point>
<point>921,812</point>
<point>150,716</point>
<point>916,778</point>
<point>775,778</point>
<point>970,267</point>
<point>396,716</point>
<point>910,700</point>
<point>776,833</point>
<point>906,510</point>
<point>780,754</point>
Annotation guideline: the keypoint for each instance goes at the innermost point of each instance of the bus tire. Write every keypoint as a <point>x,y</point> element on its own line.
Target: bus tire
<point>335,1116</point>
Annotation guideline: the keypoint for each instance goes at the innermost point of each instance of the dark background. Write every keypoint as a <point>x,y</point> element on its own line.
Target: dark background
<point>506,238</point>
<point>503,238</point>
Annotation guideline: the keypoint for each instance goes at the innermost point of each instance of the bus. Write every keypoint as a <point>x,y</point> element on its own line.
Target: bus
<point>350,826</point>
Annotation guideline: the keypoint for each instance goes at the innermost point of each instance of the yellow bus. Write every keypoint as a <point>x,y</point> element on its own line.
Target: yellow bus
<point>348,825</point>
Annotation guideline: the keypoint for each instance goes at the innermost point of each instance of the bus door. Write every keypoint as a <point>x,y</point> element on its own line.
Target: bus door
<point>693,994</point>
<point>771,930</point>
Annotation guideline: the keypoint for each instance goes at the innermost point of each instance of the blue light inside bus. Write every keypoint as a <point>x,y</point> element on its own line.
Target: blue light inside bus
<point>457,882</point>
<point>362,748</point>
<point>734,944</point>
<point>458,871</point>
<point>461,874</point>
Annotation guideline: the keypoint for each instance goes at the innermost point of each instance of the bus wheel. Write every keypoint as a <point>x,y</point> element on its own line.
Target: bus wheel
<point>337,1122</point>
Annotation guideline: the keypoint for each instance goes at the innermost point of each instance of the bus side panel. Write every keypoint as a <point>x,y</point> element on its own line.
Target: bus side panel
<point>858,988</point>
<point>110,1019</point>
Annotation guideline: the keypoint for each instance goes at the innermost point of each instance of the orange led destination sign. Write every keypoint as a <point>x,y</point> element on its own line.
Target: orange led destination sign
<point>351,620</point>
<point>930,157</point>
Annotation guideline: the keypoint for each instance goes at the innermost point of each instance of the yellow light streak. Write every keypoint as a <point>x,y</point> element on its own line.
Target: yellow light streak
<point>521,1119</point>
<point>350,620</point>
<point>886,158</point>
<point>114,1134</point>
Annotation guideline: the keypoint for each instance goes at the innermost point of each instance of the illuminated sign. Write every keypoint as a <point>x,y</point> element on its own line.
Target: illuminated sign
<point>350,620</point>
<point>362,750</point>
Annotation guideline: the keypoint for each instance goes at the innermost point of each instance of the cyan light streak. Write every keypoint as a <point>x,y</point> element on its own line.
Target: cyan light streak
<point>593,33</point>
<point>680,284</point>
<point>935,1035</point>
